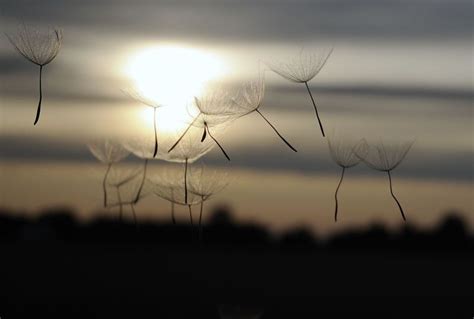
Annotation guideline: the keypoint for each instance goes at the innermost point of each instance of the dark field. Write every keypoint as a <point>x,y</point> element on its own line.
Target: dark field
<point>53,267</point>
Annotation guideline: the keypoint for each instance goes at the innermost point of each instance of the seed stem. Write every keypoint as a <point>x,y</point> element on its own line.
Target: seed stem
<point>186,181</point>
<point>315,108</point>
<point>395,198</point>
<point>276,131</point>
<point>104,186</point>
<point>38,110</point>
<point>184,133</point>
<point>222,149</point>
<point>337,190</point>
<point>142,183</point>
<point>156,134</point>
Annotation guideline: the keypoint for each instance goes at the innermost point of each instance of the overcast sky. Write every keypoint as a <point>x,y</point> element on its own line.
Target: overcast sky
<point>238,20</point>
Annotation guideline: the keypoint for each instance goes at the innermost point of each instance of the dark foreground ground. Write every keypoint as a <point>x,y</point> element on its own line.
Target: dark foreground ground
<point>55,268</point>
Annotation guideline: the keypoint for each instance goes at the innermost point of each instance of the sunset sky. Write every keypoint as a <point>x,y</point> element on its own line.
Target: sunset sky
<point>400,70</point>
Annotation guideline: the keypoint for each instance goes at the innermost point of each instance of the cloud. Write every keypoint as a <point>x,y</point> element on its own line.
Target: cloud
<point>447,165</point>
<point>255,20</point>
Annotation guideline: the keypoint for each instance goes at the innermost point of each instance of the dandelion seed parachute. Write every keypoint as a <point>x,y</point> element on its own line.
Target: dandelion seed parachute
<point>385,158</point>
<point>108,152</point>
<point>151,103</point>
<point>215,110</point>
<point>38,46</point>
<point>249,100</point>
<point>342,153</point>
<point>303,69</point>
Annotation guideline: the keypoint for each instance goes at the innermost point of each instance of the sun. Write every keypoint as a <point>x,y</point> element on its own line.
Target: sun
<point>172,75</point>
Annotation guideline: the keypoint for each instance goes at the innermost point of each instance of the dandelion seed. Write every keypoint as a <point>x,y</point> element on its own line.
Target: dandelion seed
<point>119,179</point>
<point>250,99</point>
<point>139,146</point>
<point>205,183</point>
<point>108,152</point>
<point>342,152</point>
<point>151,103</point>
<point>169,187</point>
<point>384,158</point>
<point>133,191</point>
<point>40,47</point>
<point>302,70</point>
<point>214,110</point>
<point>188,151</point>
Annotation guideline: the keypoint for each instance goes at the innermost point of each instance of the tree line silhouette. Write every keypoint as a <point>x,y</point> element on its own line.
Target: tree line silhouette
<point>59,225</point>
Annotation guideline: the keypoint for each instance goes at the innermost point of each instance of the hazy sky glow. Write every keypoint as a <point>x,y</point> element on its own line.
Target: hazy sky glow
<point>399,70</point>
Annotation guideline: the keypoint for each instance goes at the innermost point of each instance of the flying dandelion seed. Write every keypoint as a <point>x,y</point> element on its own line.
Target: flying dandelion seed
<point>249,100</point>
<point>384,158</point>
<point>108,152</point>
<point>302,70</point>
<point>119,178</point>
<point>40,47</point>
<point>188,151</point>
<point>150,103</point>
<point>215,109</point>
<point>133,190</point>
<point>139,146</point>
<point>167,185</point>
<point>342,152</point>
<point>125,196</point>
<point>205,183</point>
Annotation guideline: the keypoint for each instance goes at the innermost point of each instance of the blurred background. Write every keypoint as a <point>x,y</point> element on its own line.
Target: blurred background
<point>400,70</point>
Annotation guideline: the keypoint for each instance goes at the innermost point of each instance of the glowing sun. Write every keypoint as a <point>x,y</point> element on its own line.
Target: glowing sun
<point>172,75</point>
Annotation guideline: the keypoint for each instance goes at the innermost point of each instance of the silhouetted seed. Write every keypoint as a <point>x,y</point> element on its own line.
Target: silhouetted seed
<point>186,181</point>
<point>184,134</point>
<point>205,183</point>
<point>168,185</point>
<point>342,152</point>
<point>151,103</point>
<point>249,100</point>
<point>108,152</point>
<point>142,183</point>
<point>215,110</point>
<point>40,47</point>
<point>215,140</point>
<point>188,151</point>
<point>140,147</point>
<point>384,158</point>
<point>119,178</point>
<point>302,70</point>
